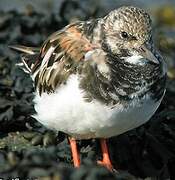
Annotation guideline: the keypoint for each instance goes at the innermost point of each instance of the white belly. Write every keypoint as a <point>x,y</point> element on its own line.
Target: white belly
<point>65,110</point>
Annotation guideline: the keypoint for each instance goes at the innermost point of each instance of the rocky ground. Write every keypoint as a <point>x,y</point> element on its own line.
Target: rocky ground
<point>28,150</point>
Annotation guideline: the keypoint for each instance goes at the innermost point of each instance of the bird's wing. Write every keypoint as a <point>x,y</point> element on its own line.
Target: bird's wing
<point>58,57</point>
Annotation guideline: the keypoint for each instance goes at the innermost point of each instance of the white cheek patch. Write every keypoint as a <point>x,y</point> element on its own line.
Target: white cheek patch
<point>135,59</point>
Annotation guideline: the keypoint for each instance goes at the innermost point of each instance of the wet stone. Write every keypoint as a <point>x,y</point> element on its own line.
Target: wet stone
<point>37,173</point>
<point>49,139</point>
<point>12,158</point>
<point>37,140</point>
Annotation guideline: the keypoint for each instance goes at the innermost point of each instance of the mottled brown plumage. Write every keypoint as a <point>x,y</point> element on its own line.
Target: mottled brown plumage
<point>69,47</point>
<point>63,53</point>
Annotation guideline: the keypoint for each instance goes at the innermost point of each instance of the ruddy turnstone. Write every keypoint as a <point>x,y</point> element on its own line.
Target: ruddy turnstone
<point>97,78</point>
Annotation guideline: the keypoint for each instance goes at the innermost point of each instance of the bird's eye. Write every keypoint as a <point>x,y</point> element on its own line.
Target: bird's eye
<point>124,35</point>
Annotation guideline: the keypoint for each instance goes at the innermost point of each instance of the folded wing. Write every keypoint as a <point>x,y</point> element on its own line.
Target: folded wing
<point>59,56</point>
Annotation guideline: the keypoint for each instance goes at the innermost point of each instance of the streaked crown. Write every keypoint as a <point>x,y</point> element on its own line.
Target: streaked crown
<point>130,19</point>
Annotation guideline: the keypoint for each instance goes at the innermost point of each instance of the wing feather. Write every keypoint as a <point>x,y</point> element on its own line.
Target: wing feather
<point>58,57</point>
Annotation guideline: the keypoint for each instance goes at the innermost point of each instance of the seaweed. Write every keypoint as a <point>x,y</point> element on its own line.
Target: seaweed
<point>29,150</point>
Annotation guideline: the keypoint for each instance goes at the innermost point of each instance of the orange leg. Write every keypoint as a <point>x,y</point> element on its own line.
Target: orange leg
<point>75,153</point>
<point>105,155</point>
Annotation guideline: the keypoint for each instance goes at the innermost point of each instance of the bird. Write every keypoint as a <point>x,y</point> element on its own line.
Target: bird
<point>97,78</point>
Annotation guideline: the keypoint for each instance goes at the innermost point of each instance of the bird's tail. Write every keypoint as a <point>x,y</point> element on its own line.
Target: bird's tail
<point>29,56</point>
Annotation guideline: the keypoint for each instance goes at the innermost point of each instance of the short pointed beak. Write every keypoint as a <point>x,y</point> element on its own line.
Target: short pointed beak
<point>146,53</point>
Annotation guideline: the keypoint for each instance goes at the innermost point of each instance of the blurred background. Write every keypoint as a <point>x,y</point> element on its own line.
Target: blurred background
<point>28,150</point>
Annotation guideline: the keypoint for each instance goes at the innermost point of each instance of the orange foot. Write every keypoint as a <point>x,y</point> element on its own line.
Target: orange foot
<point>75,153</point>
<point>105,156</point>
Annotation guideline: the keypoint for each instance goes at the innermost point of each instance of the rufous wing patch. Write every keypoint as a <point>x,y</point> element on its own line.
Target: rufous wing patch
<point>59,57</point>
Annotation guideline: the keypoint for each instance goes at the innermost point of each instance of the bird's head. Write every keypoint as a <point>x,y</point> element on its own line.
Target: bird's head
<point>127,31</point>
